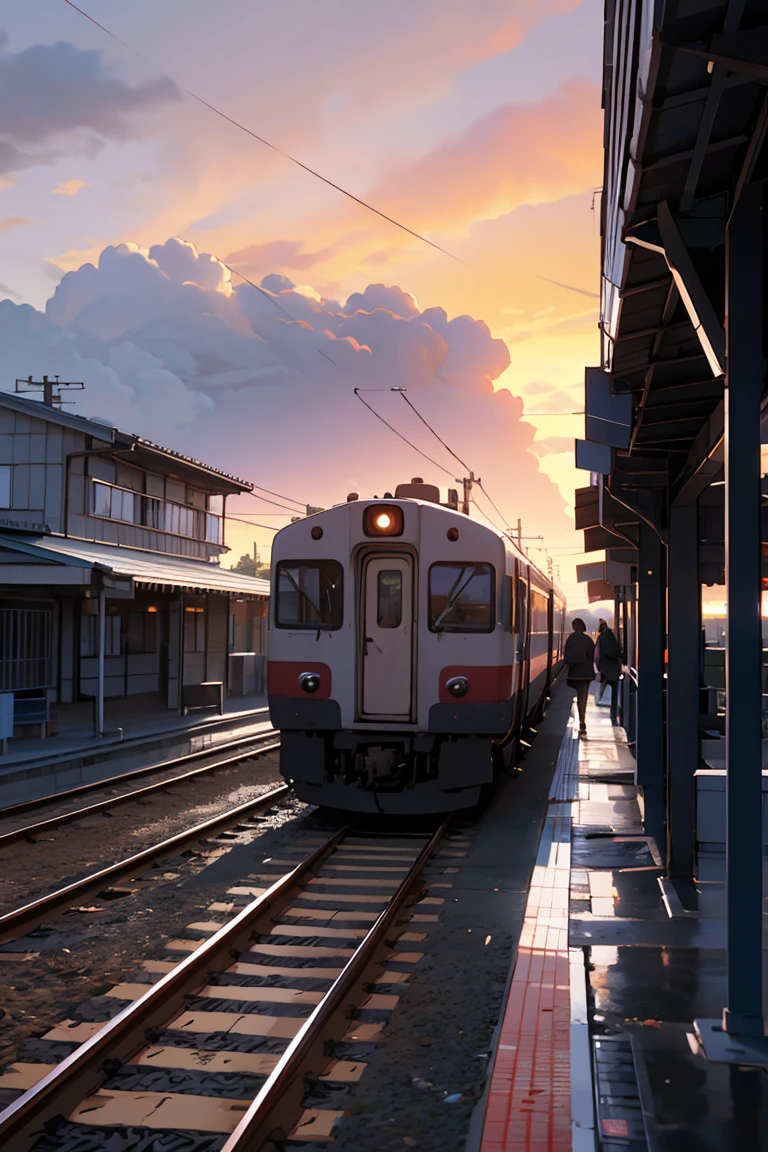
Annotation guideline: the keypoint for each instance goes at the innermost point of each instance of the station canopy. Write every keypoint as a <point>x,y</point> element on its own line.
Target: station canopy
<point>120,564</point>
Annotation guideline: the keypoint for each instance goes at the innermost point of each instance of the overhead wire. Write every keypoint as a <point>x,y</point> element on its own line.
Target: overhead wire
<point>503,528</point>
<point>266,500</point>
<point>493,505</point>
<point>251,524</point>
<point>290,499</point>
<point>431,429</point>
<point>268,143</point>
<point>269,296</point>
<point>405,438</point>
<point>451,451</point>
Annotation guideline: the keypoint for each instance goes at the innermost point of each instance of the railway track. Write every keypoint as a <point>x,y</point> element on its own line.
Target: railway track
<point>37,802</point>
<point>286,994</point>
<point>30,916</point>
<point>252,746</point>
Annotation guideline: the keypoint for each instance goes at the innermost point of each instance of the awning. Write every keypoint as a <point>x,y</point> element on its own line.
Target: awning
<point>45,552</point>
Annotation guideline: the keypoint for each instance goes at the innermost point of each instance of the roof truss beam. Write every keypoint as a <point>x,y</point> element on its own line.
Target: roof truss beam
<point>697,304</point>
<point>709,112</point>
<point>756,141</point>
<point>745,51</point>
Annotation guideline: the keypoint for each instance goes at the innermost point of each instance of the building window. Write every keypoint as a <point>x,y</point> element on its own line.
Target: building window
<point>194,630</point>
<point>461,598</point>
<point>89,636</point>
<point>25,648</point>
<point>113,503</point>
<point>5,486</point>
<point>213,528</point>
<point>142,632</point>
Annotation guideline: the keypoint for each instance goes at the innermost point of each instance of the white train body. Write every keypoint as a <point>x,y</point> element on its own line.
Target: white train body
<point>404,660</point>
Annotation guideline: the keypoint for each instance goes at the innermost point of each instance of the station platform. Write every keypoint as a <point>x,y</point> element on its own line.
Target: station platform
<point>595,1048</point>
<point>133,718</point>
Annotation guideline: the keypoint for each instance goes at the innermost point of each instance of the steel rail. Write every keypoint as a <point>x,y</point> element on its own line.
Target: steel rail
<point>62,1089</point>
<point>21,920</point>
<point>110,781</point>
<point>29,831</point>
<point>273,1113</point>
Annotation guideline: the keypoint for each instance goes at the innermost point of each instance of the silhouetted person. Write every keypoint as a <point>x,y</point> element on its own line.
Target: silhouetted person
<point>580,658</point>
<point>608,659</point>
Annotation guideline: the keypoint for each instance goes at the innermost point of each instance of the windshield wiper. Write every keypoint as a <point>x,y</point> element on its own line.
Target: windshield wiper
<point>303,594</point>
<point>453,596</point>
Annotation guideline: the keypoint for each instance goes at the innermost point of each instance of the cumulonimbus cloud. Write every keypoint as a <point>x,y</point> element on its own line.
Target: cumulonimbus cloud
<point>263,383</point>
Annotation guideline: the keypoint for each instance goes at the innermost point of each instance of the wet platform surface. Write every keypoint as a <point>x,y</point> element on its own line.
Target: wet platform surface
<point>655,956</point>
<point>597,1049</point>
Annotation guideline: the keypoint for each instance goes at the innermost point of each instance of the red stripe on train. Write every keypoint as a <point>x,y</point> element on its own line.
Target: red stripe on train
<point>487,685</point>
<point>283,678</point>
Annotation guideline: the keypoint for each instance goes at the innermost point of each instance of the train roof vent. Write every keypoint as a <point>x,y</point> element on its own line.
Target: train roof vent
<point>418,490</point>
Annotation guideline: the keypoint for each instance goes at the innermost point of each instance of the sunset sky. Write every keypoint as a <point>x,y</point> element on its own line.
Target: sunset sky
<point>477,125</point>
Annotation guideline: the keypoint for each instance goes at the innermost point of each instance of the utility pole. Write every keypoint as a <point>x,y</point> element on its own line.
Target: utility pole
<point>519,533</point>
<point>51,390</point>
<point>466,484</point>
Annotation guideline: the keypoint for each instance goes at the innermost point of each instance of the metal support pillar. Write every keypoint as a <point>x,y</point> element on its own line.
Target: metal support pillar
<point>739,1039</point>
<point>181,652</point>
<point>743,656</point>
<point>651,632</point>
<point>683,643</point>
<point>102,647</point>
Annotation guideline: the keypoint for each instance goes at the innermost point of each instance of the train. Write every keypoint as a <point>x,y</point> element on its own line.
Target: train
<point>410,650</point>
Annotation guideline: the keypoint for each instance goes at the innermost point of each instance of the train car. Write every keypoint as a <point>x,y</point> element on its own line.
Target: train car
<point>409,648</point>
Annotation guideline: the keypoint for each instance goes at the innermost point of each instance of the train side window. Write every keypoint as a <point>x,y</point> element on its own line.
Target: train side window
<point>461,597</point>
<point>539,612</point>
<point>518,626</point>
<point>389,598</point>
<point>309,594</point>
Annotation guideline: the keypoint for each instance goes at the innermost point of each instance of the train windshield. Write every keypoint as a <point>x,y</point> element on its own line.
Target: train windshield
<point>309,594</point>
<point>461,598</point>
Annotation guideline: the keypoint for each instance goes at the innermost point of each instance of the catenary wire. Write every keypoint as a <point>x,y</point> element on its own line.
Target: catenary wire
<point>268,144</point>
<point>407,441</point>
<point>435,434</point>
<point>449,449</point>
<point>491,502</point>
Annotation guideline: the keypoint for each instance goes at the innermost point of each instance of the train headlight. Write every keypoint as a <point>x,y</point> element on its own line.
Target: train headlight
<point>309,682</point>
<point>457,685</point>
<point>383,520</point>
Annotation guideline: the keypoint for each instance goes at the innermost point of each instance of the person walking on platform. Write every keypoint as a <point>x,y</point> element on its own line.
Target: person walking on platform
<point>608,660</point>
<point>580,658</point>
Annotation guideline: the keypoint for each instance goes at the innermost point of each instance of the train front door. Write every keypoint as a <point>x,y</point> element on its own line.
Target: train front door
<point>387,654</point>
